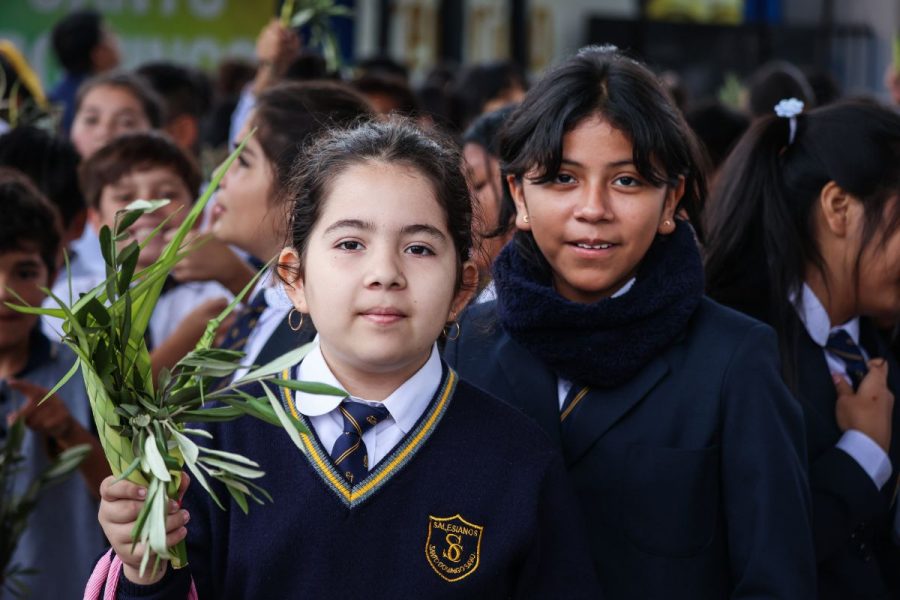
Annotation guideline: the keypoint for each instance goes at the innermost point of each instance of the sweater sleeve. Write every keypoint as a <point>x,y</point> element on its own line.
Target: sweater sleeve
<point>766,494</point>
<point>175,585</point>
<point>558,563</point>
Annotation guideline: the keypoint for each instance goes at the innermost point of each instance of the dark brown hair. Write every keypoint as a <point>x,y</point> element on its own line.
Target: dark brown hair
<point>51,162</point>
<point>150,101</point>
<point>762,235</point>
<point>133,152</point>
<point>30,222</point>
<point>290,114</point>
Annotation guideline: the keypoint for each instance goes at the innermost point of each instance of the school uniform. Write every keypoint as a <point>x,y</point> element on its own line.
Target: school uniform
<point>465,499</point>
<point>689,464</point>
<point>853,480</point>
<point>62,537</point>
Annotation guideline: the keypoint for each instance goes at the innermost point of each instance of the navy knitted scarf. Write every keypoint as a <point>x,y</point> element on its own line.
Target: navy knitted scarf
<point>606,343</point>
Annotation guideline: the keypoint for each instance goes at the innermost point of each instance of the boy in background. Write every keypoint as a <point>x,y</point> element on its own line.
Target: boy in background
<point>62,535</point>
<point>148,166</point>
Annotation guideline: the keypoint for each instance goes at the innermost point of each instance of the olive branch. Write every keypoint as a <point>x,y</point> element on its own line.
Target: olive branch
<point>144,425</point>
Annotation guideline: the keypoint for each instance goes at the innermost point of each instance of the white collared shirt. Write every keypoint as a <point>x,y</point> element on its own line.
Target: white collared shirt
<point>405,404</point>
<point>564,385</point>
<point>863,449</point>
<point>278,305</point>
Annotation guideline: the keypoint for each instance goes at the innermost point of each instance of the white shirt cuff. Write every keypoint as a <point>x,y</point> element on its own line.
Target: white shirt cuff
<point>873,460</point>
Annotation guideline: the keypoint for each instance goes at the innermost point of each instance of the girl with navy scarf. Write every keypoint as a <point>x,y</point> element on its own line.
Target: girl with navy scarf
<point>684,445</point>
<point>805,234</point>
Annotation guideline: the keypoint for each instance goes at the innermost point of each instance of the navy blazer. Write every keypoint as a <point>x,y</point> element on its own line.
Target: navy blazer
<point>852,518</point>
<point>692,475</point>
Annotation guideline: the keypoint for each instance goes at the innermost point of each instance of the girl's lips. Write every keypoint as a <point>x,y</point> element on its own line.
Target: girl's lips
<point>218,210</point>
<point>383,316</point>
<point>593,249</point>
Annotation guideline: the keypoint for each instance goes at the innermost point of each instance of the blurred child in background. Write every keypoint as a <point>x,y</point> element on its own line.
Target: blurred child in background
<point>61,539</point>
<point>146,166</point>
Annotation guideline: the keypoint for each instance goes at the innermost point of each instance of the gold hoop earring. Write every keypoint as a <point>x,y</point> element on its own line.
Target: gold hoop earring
<point>290,319</point>
<point>525,218</point>
<point>449,328</point>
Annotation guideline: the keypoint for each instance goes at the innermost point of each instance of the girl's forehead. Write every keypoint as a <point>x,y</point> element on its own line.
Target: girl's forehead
<point>388,194</point>
<point>151,174</point>
<point>102,95</point>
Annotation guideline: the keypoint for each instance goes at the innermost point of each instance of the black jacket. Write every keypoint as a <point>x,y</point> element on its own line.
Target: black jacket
<point>691,475</point>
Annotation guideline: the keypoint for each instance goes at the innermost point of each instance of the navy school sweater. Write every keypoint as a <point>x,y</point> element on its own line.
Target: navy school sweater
<point>472,503</point>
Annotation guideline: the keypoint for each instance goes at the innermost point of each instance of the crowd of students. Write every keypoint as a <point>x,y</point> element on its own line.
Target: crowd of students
<point>595,343</point>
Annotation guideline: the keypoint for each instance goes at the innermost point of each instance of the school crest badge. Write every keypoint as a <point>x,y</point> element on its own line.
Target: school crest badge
<point>453,546</point>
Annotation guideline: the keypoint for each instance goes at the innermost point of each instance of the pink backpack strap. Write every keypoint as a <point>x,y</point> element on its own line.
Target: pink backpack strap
<point>98,577</point>
<point>106,575</point>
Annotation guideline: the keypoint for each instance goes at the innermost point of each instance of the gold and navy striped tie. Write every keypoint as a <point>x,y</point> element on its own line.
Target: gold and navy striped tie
<point>349,452</point>
<point>841,345</point>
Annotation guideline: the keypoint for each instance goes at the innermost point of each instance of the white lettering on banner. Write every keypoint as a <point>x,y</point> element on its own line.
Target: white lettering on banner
<point>202,9</point>
<point>200,51</point>
<point>207,9</point>
<point>110,6</point>
<point>45,5</point>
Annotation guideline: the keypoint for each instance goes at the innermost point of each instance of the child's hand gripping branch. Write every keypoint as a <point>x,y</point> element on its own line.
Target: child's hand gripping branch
<point>120,505</point>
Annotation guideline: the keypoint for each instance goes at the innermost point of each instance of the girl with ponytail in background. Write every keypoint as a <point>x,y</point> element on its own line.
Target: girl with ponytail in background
<point>803,234</point>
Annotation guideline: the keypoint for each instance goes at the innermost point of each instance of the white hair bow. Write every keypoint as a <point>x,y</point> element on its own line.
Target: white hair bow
<point>789,108</point>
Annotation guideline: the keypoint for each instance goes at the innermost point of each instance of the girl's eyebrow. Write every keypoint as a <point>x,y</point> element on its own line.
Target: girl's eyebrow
<point>351,224</point>
<point>27,262</point>
<point>625,162</point>
<point>421,228</point>
<point>615,164</point>
<point>417,228</point>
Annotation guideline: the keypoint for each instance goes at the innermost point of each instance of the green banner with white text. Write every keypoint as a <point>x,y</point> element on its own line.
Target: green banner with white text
<point>196,32</point>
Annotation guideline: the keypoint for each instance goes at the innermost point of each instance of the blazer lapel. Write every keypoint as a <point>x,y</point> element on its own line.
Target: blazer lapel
<point>600,409</point>
<point>534,386</point>
<point>814,378</point>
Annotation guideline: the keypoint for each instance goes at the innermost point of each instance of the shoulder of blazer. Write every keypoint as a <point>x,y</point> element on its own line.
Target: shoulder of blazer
<point>479,331</point>
<point>716,324</point>
<point>483,314</point>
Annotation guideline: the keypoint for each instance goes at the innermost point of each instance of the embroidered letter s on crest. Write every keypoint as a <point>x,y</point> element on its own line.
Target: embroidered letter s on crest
<point>453,546</point>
